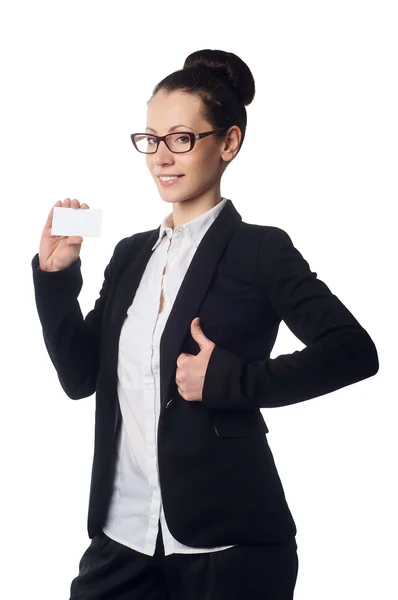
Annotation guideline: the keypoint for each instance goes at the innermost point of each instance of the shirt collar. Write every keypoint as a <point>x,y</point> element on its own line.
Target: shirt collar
<point>196,228</point>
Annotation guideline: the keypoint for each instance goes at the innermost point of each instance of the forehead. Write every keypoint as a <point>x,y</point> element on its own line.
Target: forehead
<point>166,109</point>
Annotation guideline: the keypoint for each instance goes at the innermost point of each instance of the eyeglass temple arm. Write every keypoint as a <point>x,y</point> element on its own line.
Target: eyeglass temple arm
<point>199,136</point>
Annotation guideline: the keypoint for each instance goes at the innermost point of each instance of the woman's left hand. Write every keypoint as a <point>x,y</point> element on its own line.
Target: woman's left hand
<point>191,368</point>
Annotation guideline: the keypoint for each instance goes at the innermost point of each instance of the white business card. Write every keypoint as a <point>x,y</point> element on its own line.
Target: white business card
<point>76,221</point>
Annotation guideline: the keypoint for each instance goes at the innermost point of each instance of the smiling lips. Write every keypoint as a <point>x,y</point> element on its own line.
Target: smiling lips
<point>168,180</point>
<point>169,175</point>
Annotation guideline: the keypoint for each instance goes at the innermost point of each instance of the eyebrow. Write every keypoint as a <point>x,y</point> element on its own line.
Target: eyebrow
<point>171,128</point>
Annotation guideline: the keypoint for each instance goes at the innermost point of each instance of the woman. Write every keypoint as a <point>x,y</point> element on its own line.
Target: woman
<point>185,500</point>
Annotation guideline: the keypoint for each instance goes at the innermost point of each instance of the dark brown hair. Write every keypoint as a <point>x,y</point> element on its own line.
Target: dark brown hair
<point>223,82</point>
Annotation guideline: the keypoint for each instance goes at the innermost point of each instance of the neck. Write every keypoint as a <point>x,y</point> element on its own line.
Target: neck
<point>186,210</point>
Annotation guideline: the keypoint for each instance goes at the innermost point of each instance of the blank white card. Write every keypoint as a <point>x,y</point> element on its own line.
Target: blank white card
<point>76,221</point>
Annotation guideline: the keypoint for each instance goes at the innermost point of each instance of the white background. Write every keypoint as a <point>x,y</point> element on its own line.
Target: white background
<point>319,160</point>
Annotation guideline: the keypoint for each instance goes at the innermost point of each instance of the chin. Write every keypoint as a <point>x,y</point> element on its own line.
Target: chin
<point>171,199</point>
<point>167,196</point>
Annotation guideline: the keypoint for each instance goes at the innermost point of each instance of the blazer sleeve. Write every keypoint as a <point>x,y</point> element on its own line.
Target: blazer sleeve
<point>338,352</point>
<point>72,342</point>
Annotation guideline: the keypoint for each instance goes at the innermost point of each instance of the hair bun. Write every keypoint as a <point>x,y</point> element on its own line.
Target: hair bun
<point>228,65</point>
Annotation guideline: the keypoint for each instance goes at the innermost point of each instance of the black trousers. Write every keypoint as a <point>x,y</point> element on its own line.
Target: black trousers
<point>111,571</point>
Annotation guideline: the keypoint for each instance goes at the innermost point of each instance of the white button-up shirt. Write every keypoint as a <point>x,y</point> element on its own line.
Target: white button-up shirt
<point>136,503</point>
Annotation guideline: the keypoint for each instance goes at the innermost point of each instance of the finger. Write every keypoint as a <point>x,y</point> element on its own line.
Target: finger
<point>50,214</point>
<point>74,239</point>
<point>76,204</point>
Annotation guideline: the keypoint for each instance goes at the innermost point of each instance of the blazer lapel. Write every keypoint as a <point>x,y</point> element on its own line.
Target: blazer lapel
<point>189,297</point>
<point>192,291</point>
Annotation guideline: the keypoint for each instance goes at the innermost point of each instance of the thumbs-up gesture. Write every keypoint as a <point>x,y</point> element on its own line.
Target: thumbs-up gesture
<point>191,368</point>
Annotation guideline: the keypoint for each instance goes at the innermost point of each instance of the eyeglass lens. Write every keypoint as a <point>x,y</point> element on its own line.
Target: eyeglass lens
<point>177,142</point>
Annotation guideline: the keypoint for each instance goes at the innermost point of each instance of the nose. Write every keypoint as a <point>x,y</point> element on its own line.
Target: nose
<point>163,154</point>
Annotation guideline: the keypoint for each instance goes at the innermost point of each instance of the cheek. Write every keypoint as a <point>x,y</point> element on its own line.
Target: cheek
<point>202,165</point>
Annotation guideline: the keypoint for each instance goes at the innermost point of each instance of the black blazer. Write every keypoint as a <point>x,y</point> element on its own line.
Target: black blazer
<point>218,478</point>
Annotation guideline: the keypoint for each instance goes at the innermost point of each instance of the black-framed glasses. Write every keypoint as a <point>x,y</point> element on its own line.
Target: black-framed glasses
<point>178,142</point>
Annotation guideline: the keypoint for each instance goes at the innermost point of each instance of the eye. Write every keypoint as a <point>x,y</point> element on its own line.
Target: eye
<point>185,138</point>
<point>151,140</point>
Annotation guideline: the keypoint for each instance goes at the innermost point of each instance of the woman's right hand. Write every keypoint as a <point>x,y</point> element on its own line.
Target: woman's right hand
<point>57,252</point>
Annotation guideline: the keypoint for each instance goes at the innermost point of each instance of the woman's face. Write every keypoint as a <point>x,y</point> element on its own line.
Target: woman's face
<point>202,167</point>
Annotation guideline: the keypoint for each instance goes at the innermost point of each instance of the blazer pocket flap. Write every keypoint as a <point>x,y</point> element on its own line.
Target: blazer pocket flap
<point>237,423</point>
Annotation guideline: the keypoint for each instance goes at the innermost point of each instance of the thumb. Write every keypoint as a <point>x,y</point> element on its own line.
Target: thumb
<point>197,333</point>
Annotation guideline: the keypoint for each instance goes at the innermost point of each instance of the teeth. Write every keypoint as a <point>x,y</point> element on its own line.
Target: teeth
<point>168,178</point>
